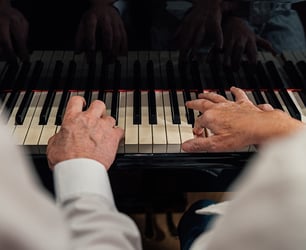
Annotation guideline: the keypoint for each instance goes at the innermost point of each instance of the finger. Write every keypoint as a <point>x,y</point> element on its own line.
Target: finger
<point>237,54</point>
<point>97,109</point>
<point>228,50</point>
<point>6,44</point>
<point>19,33</point>
<point>265,44</point>
<point>213,97</point>
<point>107,33</point>
<point>251,52</point>
<point>75,105</point>
<point>90,37</point>
<point>239,94</point>
<point>110,120</point>
<point>79,38</point>
<point>200,104</point>
<point>218,36</point>
<point>90,29</point>
<point>199,37</point>
<point>265,107</point>
<point>124,41</point>
<point>117,39</point>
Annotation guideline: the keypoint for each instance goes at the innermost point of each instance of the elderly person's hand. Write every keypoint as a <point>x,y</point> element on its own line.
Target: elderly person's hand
<point>13,33</point>
<point>235,124</point>
<point>85,134</point>
<point>102,19</point>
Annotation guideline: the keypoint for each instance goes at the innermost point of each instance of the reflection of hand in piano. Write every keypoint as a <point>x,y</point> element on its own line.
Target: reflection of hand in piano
<point>103,18</point>
<point>236,124</point>
<point>240,39</point>
<point>13,33</point>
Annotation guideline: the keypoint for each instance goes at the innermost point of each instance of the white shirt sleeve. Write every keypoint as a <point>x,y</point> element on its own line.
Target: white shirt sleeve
<point>81,176</point>
<point>84,193</point>
<point>267,210</point>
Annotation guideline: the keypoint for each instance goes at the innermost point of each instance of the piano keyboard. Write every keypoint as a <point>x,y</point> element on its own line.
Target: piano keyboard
<point>145,92</point>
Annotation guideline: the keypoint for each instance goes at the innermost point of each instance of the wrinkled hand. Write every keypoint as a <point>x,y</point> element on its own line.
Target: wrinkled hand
<point>235,124</point>
<point>240,39</point>
<point>13,34</point>
<point>90,134</point>
<point>204,18</point>
<point>102,18</point>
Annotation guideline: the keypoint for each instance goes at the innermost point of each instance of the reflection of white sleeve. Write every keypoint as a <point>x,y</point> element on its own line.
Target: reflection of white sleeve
<point>121,6</point>
<point>268,210</point>
<point>84,191</point>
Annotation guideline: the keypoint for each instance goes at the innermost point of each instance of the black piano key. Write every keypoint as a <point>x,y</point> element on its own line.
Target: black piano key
<point>103,80</point>
<point>115,106</point>
<point>137,93</point>
<point>189,112</point>
<point>66,93</point>
<point>172,94</point>
<point>90,80</point>
<point>186,88</point>
<point>26,101</point>
<point>18,86</point>
<point>216,74</point>
<point>116,94</point>
<point>62,107</point>
<point>46,109</point>
<point>294,76</point>
<point>195,76</point>
<point>292,109</point>
<point>151,93</point>
<point>252,81</point>
<point>137,107</point>
<point>302,67</point>
<point>296,79</point>
<point>7,81</point>
<point>270,94</point>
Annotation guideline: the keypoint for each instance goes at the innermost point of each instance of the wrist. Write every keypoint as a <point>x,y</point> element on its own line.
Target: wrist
<point>274,124</point>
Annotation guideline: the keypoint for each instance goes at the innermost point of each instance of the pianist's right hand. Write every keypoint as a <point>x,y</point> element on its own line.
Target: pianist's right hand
<point>104,19</point>
<point>13,33</point>
<point>90,134</point>
<point>236,124</point>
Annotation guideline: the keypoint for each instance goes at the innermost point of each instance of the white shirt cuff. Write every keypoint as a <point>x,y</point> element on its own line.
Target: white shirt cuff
<point>76,177</point>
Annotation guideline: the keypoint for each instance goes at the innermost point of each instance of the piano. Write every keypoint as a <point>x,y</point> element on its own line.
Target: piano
<point>145,92</point>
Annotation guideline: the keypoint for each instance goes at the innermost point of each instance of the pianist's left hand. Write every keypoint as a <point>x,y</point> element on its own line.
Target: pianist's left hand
<point>104,20</point>
<point>236,124</point>
<point>13,33</point>
<point>90,134</point>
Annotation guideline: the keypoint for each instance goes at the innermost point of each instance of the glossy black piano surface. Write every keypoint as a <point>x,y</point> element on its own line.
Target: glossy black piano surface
<point>34,95</point>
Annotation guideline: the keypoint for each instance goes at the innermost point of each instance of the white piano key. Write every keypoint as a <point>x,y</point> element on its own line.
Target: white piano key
<point>131,130</point>
<point>159,129</point>
<point>50,129</point>
<point>34,132</point>
<point>145,129</point>
<point>185,129</point>
<point>172,130</point>
<point>21,131</point>
<point>108,102</point>
<point>2,105</point>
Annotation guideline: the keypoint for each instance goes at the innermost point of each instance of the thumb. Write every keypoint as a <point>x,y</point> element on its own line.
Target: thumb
<point>265,44</point>
<point>200,144</point>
